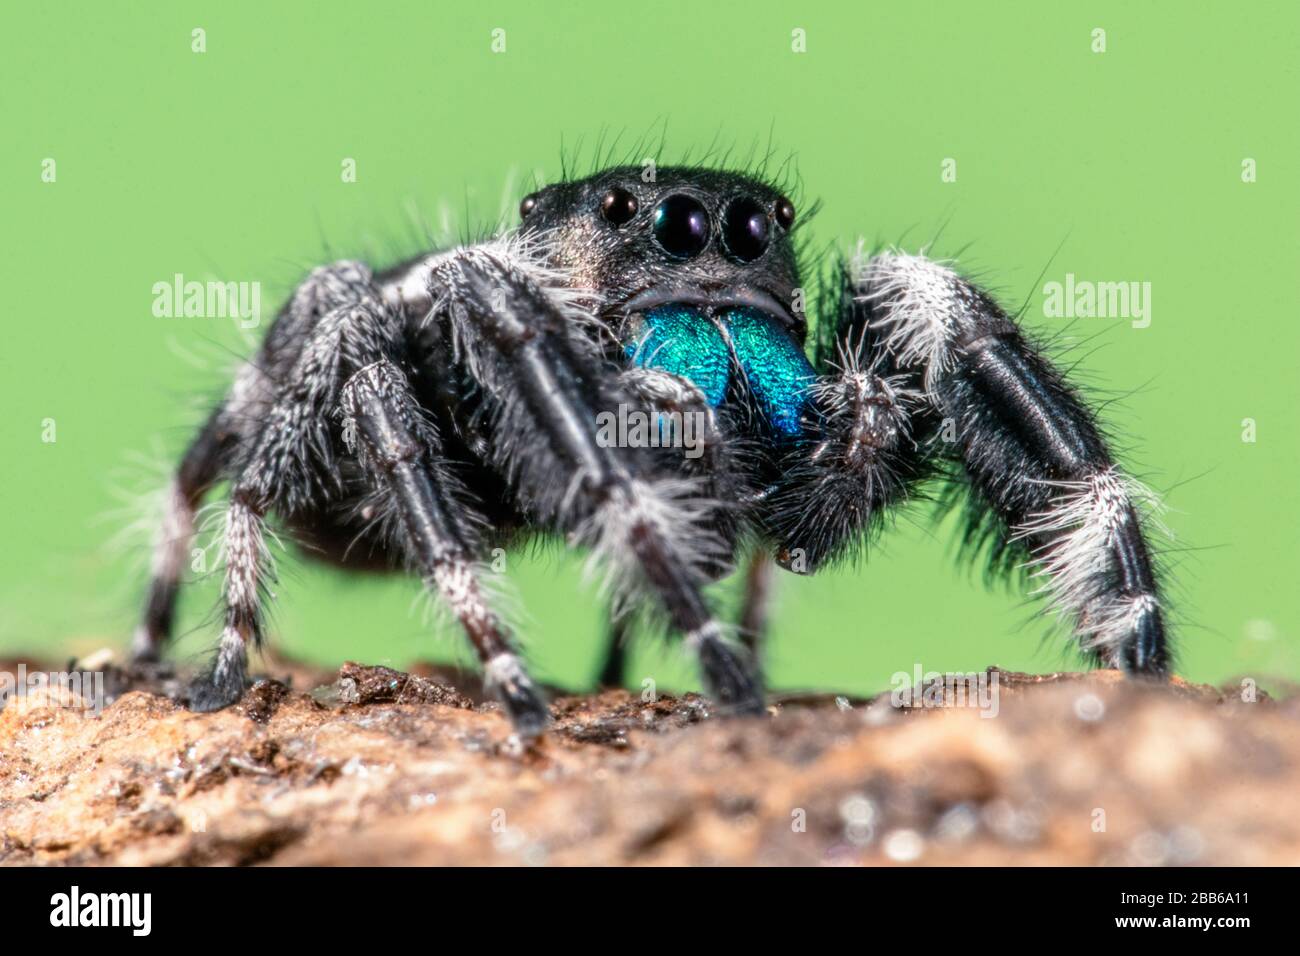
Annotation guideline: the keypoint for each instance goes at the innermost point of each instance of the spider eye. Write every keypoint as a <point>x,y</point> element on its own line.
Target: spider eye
<point>618,207</point>
<point>784,213</point>
<point>682,226</point>
<point>744,229</point>
<point>527,205</point>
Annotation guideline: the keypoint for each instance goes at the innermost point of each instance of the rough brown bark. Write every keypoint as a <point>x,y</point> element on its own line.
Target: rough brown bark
<point>383,767</point>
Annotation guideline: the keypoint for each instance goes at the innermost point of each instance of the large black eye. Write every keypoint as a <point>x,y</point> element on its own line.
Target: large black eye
<point>619,206</point>
<point>682,226</point>
<point>785,212</point>
<point>527,205</point>
<point>744,229</point>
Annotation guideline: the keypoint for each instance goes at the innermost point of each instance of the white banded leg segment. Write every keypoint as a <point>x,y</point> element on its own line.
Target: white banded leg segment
<point>505,677</point>
<point>535,349</point>
<point>504,673</point>
<point>232,657</point>
<point>654,536</point>
<point>729,670</point>
<point>1031,451</point>
<point>665,519</point>
<point>921,308</point>
<point>199,470</point>
<point>245,554</point>
<point>1085,525</point>
<point>456,583</point>
<point>174,536</point>
<point>399,450</point>
<point>171,547</point>
<point>247,569</point>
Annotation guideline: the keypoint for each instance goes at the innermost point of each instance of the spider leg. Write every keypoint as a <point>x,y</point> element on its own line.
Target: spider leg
<point>244,550</point>
<point>199,470</point>
<point>751,626</point>
<point>1030,450</point>
<point>537,355</point>
<point>400,452</point>
<point>711,461</point>
<point>204,464</point>
<point>613,672</point>
<point>859,458</point>
<point>335,324</point>
<point>756,603</point>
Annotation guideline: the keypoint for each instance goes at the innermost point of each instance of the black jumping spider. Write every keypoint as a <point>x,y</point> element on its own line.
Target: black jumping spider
<point>429,412</point>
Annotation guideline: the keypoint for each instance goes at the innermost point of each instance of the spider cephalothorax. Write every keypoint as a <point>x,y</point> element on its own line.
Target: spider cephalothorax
<point>427,413</point>
<point>694,272</point>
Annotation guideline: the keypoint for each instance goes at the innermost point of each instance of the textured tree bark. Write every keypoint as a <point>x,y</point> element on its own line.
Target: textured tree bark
<point>1071,768</point>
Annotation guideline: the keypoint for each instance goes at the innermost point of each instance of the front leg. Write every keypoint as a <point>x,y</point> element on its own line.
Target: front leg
<point>534,350</point>
<point>708,460</point>
<point>751,625</point>
<point>1029,447</point>
<point>401,452</point>
<point>860,456</point>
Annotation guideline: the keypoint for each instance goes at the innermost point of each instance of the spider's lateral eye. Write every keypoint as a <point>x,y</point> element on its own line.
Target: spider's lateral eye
<point>619,206</point>
<point>527,205</point>
<point>784,213</point>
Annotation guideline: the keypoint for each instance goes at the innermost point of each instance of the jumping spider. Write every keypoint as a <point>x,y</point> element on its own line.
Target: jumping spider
<point>432,411</point>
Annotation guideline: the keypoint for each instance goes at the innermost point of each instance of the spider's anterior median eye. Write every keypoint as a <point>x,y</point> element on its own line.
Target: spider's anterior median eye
<point>784,213</point>
<point>744,229</point>
<point>619,206</point>
<point>682,226</point>
<point>527,205</point>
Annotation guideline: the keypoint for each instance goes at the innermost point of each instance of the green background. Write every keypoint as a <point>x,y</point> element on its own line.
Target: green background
<point>1118,166</point>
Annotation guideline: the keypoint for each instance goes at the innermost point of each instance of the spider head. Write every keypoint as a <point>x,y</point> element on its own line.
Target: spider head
<point>696,273</point>
<point>702,238</point>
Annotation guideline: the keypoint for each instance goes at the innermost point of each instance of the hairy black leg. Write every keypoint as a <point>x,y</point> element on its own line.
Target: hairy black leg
<point>197,473</point>
<point>202,466</point>
<point>755,604</point>
<point>1031,450</point>
<point>335,324</point>
<point>536,354</point>
<point>709,459</point>
<point>245,555</point>
<point>613,672</point>
<point>400,452</point>
<point>751,626</point>
<point>858,458</point>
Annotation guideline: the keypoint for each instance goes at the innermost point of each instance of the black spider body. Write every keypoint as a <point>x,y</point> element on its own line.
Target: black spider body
<point>428,413</point>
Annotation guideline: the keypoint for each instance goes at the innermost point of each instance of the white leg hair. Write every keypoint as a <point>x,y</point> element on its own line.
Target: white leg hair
<point>1086,538</point>
<point>1083,524</point>
<point>922,309</point>
<point>171,546</point>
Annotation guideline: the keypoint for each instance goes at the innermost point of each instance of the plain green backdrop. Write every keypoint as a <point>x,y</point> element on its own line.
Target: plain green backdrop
<point>1124,165</point>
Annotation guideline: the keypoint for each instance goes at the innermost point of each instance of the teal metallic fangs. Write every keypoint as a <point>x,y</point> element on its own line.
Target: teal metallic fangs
<point>777,371</point>
<point>681,340</point>
<point>684,341</point>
